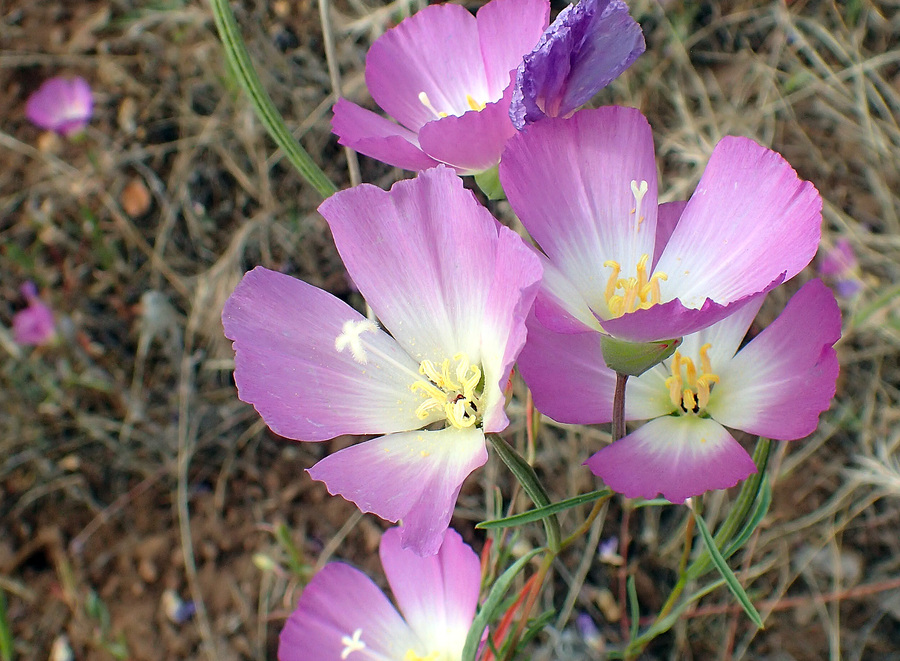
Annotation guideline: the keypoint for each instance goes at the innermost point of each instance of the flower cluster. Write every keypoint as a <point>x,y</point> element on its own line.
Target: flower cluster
<point>613,284</point>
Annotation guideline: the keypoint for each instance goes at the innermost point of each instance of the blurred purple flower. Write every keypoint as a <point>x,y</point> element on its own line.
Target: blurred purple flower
<point>343,615</point>
<point>453,287</point>
<point>776,386</point>
<point>587,47</point>
<point>445,76</point>
<point>35,324</point>
<point>840,266</point>
<point>63,105</point>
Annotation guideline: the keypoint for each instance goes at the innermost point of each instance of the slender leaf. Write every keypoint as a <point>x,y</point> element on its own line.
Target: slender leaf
<point>759,512</point>
<point>542,512</point>
<point>730,579</point>
<point>6,639</point>
<point>492,606</point>
<point>239,58</point>
<point>634,608</point>
<point>526,476</point>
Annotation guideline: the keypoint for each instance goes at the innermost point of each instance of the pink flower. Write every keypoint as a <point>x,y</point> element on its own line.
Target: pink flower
<point>445,76</point>
<point>63,105</point>
<point>343,615</point>
<point>34,325</point>
<point>776,386</point>
<point>453,287</point>
<point>840,266</point>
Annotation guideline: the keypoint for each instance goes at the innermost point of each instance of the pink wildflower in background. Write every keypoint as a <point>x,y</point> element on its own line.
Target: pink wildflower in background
<point>445,76</point>
<point>453,287</point>
<point>35,324</point>
<point>840,267</point>
<point>343,615</point>
<point>776,386</point>
<point>63,105</point>
<point>587,47</point>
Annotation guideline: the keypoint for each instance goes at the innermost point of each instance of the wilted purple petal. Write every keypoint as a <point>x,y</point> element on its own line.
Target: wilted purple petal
<point>588,46</point>
<point>61,104</point>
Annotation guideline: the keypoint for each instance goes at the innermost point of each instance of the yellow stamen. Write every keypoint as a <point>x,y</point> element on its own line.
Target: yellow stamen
<point>412,656</point>
<point>473,104</point>
<point>450,390</point>
<point>425,101</point>
<point>690,391</point>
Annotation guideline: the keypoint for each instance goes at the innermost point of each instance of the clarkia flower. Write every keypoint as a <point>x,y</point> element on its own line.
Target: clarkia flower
<point>587,47</point>
<point>342,615</point>
<point>840,266</point>
<point>776,386</point>
<point>620,264</point>
<point>445,76</point>
<point>63,105</point>
<point>453,287</point>
<point>33,325</point>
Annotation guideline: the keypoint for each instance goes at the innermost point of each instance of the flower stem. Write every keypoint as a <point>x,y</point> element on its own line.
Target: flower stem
<point>239,59</point>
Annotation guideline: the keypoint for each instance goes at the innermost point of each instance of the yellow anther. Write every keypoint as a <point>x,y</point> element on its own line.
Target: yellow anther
<point>705,365</point>
<point>637,293</point>
<point>425,101</point>
<point>412,656</point>
<point>451,390</point>
<point>688,390</point>
<point>473,104</point>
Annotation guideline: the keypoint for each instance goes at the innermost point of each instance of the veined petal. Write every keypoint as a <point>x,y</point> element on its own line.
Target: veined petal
<point>287,364</point>
<point>373,135</point>
<point>507,29</point>
<point>779,383</point>
<point>677,456</point>
<point>588,45</point>
<point>567,376</point>
<point>435,51</point>
<point>437,594</point>
<point>667,218</point>
<point>471,142</point>
<point>516,279</point>
<point>424,256</point>
<point>559,306</point>
<point>672,319</point>
<point>570,181</point>
<point>342,608</point>
<point>414,476</point>
<point>750,222</point>
<point>724,337</point>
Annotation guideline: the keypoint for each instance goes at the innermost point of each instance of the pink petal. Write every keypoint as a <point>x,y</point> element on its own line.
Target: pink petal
<point>672,319</point>
<point>414,476</point>
<point>559,306</point>
<point>438,594</point>
<point>64,105</point>
<point>785,377</point>
<point>435,51</point>
<point>380,138</point>
<point>569,180</point>
<point>437,269</point>
<point>750,222</point>
<point>471,142</point>
<point>677,456</point>
<point>566,374</point>
<point>668,216</point>
<point>507,30</point>
<point>35,325</point>
<point>337,602</point>
<point>287,366</point>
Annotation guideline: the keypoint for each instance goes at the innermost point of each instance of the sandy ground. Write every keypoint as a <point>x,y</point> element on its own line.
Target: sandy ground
<point>133,478</point>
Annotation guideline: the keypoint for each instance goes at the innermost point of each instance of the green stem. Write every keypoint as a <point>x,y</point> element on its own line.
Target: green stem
<point>239,58</point>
